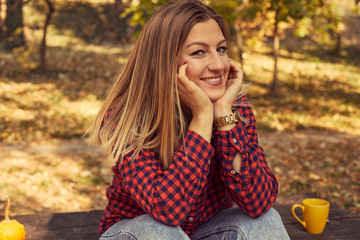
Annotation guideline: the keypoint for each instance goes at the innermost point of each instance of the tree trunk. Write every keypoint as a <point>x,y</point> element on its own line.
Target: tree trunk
<point>120,24</point>
<point>14,27</point>
<point>119,5</point>
<point>338,43</point>
<point>42,65</point>
<point>337,37</point>
<point>1,22</point>
<point>240,44</point>
<point>276,46</point>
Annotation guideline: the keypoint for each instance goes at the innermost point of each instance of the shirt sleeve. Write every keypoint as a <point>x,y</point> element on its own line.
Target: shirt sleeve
<point>255,187</point>
<point>168,195</point>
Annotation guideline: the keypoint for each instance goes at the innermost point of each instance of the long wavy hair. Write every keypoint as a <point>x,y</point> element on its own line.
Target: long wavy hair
<point>146,108</point>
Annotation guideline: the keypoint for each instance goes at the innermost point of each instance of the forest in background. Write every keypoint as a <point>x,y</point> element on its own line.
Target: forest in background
<point>302,58</point>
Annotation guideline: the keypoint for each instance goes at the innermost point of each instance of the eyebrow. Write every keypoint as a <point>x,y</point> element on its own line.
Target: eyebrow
<point>204,44</point>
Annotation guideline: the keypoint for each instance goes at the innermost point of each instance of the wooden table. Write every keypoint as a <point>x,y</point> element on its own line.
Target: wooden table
<point>342,224</point>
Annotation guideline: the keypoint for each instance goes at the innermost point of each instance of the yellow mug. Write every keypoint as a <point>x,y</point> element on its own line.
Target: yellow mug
<point>315,214</point>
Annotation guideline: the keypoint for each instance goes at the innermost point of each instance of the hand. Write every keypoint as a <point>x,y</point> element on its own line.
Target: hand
<point>192,95</point>
<point>233,86</point>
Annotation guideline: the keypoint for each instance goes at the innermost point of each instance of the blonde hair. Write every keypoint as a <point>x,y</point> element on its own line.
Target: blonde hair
<point>146,109</point>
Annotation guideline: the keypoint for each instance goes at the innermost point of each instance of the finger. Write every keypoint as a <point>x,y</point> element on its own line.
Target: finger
<point>184,82</point>
<point>181,76</point>
<point>182,71</point>
<point>235,70</point>
<point>235,76</point>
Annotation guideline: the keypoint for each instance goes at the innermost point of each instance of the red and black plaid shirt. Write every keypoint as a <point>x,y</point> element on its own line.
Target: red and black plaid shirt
<point>200,182</point>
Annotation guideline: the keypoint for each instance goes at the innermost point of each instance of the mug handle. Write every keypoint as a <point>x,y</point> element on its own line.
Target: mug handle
<point>297,218</point>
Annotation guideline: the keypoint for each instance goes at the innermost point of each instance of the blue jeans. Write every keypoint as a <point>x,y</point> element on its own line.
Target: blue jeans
<point>228,224</point>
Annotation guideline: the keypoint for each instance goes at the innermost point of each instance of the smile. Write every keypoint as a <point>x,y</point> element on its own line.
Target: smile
<point>215,81</point>
<point>211,79</point>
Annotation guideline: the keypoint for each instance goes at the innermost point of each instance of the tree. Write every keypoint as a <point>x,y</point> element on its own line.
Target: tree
<point>139,12</point>
<point>246,16</point>
<point>276,47</point>
<point>119,6</point>
<point>1,19</point>
<point>42,51</point>
<point>317,15</point>
<point>14,27</point>
<point>277,12</point>
<point>327,21</point>
<point>119,23</point>
<point>231,11</point>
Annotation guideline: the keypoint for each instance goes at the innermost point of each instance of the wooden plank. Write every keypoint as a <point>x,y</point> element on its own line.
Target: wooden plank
<point>342,224</point>
<point>284,204</point>
<point>62,226</point>
<point>340,229</point>
<point>84,225</point>
<point>74,233</point>
<point>334,213</point>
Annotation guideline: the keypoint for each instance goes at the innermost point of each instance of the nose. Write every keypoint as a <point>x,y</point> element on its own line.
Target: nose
<point>215,63</point>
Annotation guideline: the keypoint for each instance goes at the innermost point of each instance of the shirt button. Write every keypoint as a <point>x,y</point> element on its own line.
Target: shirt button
<point>234,140</point>
<point>233,171</point>
<point>191,219</point>
<point>209,161</point>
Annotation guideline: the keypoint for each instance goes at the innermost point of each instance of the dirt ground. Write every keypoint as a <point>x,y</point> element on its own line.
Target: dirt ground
<point>68,175</point>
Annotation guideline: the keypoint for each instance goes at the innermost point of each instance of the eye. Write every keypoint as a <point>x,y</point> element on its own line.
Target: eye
<point>222,49</point>
<point>198,53</point>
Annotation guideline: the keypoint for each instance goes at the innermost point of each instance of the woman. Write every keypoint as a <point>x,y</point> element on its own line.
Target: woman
<point>184,138</point>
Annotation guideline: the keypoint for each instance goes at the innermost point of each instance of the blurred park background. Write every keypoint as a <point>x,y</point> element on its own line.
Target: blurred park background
<point>58,58</point>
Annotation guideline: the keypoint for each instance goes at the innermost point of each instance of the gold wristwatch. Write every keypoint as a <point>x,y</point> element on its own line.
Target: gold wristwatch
<point>228,119</point>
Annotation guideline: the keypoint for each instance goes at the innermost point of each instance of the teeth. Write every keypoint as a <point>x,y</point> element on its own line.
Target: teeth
<point>212,79</point>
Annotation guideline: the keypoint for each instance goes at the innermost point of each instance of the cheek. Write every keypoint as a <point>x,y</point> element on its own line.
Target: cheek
<point>194,70</point>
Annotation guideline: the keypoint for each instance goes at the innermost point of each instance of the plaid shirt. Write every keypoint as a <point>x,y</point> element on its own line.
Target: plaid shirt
<point>200,182</point>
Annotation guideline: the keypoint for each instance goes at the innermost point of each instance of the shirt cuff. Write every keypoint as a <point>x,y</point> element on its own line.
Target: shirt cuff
<point>197,148</point>
<point>229,143</point>
<point>233,140</point>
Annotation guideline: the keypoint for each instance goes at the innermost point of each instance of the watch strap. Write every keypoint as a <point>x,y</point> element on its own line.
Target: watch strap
<point>228,119</point>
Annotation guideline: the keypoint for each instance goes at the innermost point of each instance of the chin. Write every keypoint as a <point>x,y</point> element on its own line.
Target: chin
<point>215,97</point>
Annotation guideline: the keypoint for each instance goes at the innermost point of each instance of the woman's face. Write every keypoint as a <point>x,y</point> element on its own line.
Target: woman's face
<point>205,51</point>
